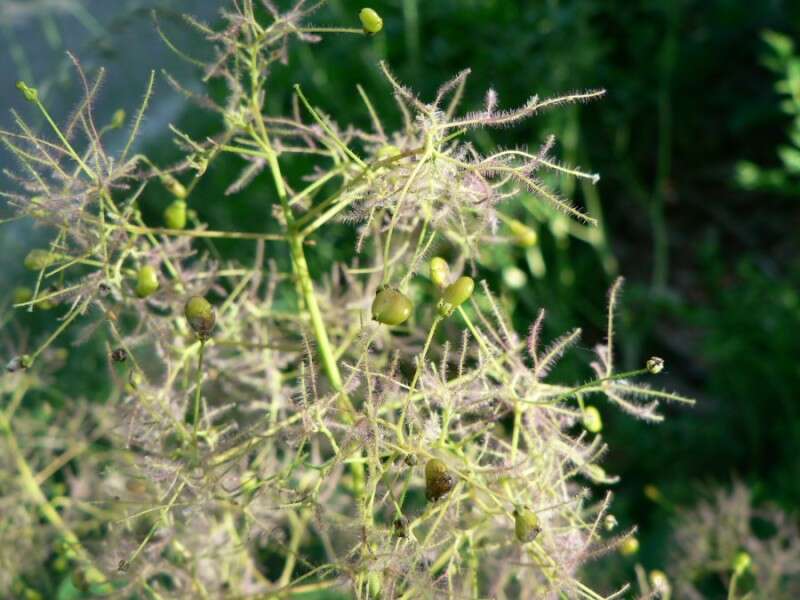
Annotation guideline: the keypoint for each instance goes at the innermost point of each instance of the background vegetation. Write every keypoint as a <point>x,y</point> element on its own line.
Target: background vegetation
<point>699,94</point>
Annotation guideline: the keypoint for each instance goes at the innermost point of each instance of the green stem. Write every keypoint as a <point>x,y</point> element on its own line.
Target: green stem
<point>198,388</point>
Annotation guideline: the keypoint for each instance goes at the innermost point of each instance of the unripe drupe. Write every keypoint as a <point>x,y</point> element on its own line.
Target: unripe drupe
<point>146,281</point>
<point>391,307</point>
<point>438,480</point>
<point>455,294</point>
<point>440,271</point>
<point>200,315</point>
<point>526,525</point>
<point>370,20</point>
<point>175,215</point>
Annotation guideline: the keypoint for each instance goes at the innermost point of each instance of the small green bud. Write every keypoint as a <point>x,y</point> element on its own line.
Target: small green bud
<point>741,563</point>
<point>175,215</point>
<point>522,234</point>
<point>591,419</point>
<point>526,525</point>
<point>391,307</point>
<point>610,522</point>
<point>22,295</point>
<point>455,294</point>
<point>31,94</point>
<point>655,365</point>
<point>438,480</point>
<point>117,119</point>
<point>440,271</point>
<point>370,21</point>
<point>174,186</point>
<point>38,259</point>
<point>146,281</point>
<point>629,546</point>
<point>200,315</point>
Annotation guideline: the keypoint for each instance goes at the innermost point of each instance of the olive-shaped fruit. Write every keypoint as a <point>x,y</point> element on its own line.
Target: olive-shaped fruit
<point>175,215</point>
<point>146,281</point>
<point>440,271</point>
<point>523,235</point>
<point>38,259</point>
<point>526,525</point>
<point>459,291</point>
<point>22,295</point>
<point>391,307</point>
<point>629,546</point>
<point>438,480</point>
<point>591,419</point>
<point>455,294</point>
<point>370,20</point>
<point>200,315</point>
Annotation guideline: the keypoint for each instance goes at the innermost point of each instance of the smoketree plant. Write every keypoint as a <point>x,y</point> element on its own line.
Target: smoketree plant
<point>378,430</point>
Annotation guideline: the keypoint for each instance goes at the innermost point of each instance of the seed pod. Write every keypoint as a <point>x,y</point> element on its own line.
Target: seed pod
<point>119,355</point>
<point>438,480</point>
<point>370,21</point>
<point>455,294</point>
<point>22,295</point>
<point>522,234</point>
<point>410,460</point>
<point>38,259</point>
<point>655,365</point>
<point>175,215</point>
<point>146,281</point>
<point>591,419</point>
<point>200,315</point>
<point>440,272</point>
<point>629,546</point>
<point>526,525</point>
<point>391,307</point>
<point>134,381</point>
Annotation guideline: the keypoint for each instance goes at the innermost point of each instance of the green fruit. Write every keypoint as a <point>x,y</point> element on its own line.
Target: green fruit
<point>38,259</point>
<point>459,292</point>
<point>592,420</point>
<point>526,525</point>
<point>146,281</point>
<point>370,21</point>
<point>22,295</point>
<point>629,546</point>
<point>440,271</point>
<point>391,307</point>
<point>175,215</point>
<point>200,315</point>
<point>455,294</point>
<point>742,562</point>
<point>438,480</point>
<point>523,235</point>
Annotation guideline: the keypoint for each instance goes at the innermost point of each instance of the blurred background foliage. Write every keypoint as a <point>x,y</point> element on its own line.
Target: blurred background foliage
<point>697,144</point>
